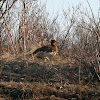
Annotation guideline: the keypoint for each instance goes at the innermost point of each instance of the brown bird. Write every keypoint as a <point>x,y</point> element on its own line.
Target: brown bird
<point>46,52</point>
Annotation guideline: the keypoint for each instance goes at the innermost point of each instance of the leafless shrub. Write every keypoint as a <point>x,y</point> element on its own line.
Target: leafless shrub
<point>26,27</point>
<point>29,27</point>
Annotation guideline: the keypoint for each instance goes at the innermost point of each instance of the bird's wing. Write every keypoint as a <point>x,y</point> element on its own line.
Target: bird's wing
<point>43,49</point>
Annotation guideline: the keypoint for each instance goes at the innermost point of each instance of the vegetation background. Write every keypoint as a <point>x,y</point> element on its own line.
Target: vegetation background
<point>23,29</point>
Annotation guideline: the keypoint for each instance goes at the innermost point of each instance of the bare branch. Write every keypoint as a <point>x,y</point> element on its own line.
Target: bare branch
<point>7,9</point>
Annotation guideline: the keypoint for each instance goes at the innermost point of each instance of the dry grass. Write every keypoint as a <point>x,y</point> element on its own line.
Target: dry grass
<point>56,60</point>
<point>42,91</point>
<point>41,81</point>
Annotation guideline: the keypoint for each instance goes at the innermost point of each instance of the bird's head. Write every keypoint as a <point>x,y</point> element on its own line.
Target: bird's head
<point>53,42</point>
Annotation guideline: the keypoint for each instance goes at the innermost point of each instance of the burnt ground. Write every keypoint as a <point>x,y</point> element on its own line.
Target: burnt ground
<point>22,80</point>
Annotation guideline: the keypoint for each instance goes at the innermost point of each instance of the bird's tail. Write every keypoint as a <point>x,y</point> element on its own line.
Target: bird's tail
<point>36,51</point>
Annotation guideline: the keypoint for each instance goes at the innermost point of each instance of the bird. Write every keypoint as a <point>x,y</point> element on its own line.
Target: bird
<point>48,51</point>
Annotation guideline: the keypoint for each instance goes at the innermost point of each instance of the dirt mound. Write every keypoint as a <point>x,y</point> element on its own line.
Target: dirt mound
<point>28,71</point>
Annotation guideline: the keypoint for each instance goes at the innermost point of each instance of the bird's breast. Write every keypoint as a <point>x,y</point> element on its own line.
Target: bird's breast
<point>44,54</point>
